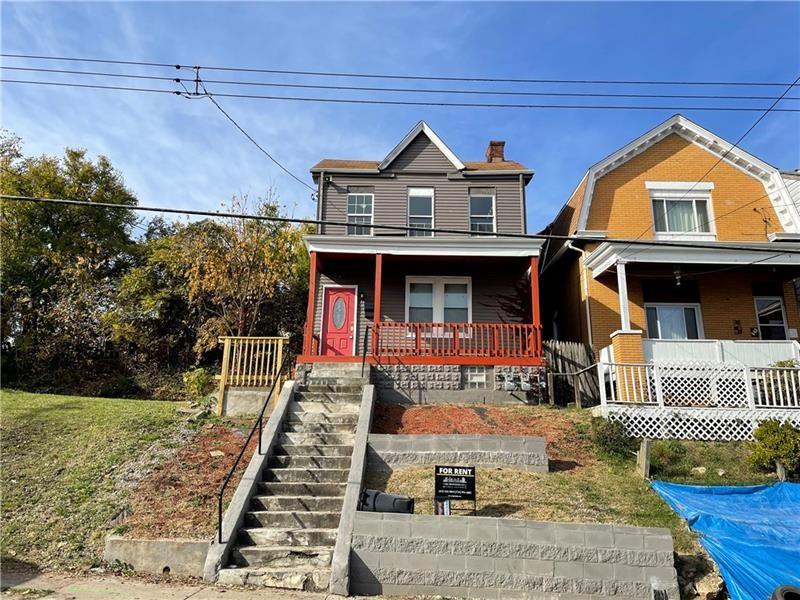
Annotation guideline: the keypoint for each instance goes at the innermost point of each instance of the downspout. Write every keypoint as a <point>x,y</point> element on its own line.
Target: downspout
<point>320,194</point>
<point>585,284</point>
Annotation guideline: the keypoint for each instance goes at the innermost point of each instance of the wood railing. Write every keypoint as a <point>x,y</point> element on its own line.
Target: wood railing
<point>249,362</point>
<point>491,340</point>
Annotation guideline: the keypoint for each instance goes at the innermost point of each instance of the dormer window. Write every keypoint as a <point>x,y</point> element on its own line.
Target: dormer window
<point>360,204</point>
<point>482,210</point>
<point>681,209</point>
<point>420,211</point>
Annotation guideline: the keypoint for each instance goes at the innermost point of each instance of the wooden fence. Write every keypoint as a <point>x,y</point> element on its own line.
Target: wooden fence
<point>249,362</point>
<point>564,358</point>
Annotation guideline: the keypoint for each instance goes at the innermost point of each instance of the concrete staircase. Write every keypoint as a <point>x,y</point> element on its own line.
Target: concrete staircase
<point>289,533</point>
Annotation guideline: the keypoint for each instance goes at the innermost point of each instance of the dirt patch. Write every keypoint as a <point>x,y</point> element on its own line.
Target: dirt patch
<point>566,431</point>
<point>178,498</point>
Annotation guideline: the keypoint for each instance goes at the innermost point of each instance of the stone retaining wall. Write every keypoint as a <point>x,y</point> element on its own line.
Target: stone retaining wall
<point>386,451</point>
<point>484,557</point>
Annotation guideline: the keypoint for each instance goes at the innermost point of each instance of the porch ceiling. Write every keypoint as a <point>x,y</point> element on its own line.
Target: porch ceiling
<point>424,246</point>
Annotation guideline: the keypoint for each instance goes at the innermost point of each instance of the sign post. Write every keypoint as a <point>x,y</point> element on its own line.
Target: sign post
<point>453,483</point>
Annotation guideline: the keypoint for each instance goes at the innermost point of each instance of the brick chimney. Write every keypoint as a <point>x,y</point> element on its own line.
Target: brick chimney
<point>495,151</point>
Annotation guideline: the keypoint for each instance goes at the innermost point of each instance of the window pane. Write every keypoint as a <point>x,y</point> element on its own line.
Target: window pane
<point>481,206</point>
<point>652,322</point>
<point>426,222</point>
<point>481,224</point>
<point>771,332</point>
<point>702,215</point>
<point>359,204</point>
<point>690,316</point>
<point>420,206</point>
<point>671,324</point>
<point>680,215</point>
<point>421,295</point>
<point>769,311</point>
<point>658,214</point>
<point>455,295</point>
<point>456,315</point>
<point>420,315</point>
<point>358,230</point>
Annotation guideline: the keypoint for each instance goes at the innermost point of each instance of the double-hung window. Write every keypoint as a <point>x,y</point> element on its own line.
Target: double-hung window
<point>482,210</point>
<point>681,209</point>
<point>438,299</point>
<point>771,317</point>
<point>360,205</point>
<point>420,211</point>
<point>668,321</point>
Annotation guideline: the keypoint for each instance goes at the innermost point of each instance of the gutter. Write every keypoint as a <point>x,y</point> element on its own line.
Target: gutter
<point>585,284</point>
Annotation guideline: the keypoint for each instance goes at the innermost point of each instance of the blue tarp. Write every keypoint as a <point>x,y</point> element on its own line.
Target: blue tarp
<point>751,532</point>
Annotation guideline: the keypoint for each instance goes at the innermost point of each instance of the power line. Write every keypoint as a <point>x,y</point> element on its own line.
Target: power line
<point>480,92</point>
<point>409,102</point>
<point>403,77</point>
<point>403,228</point>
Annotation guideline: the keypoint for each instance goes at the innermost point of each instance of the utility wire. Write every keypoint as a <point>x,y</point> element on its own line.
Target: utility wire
<point>404,228</point>
<point>411,102</point>
<point>403,77</point>
<point>400,89</point>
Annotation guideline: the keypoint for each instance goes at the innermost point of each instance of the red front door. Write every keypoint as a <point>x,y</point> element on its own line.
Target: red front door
<point>338,326</point>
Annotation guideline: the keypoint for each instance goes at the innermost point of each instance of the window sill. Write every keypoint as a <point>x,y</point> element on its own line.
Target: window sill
<point>695,236</point>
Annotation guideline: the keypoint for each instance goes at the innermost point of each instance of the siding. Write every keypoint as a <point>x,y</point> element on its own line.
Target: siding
<point>421,155</point>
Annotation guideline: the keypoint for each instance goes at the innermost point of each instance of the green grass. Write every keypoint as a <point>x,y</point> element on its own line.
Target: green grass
<point>63,459</point>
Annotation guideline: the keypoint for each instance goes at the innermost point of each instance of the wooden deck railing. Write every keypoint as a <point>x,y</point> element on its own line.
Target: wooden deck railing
<point>249,362</point>
<point>444,340</point>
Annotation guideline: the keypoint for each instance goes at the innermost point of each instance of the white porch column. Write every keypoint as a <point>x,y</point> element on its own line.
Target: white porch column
<point>622,288</point>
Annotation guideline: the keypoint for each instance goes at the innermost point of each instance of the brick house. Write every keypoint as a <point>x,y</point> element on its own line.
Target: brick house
<point>731,300</point>
<point>445,306</point>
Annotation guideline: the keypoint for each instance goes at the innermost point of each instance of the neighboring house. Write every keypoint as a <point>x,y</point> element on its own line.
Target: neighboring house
<point>666,304</point>
<point>434,311</point>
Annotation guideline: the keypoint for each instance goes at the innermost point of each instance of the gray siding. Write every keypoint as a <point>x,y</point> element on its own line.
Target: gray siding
<point>422,155</point>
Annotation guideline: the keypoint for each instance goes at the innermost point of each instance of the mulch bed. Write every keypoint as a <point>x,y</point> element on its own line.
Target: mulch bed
<point>566,445</point>
<point>179,498</point>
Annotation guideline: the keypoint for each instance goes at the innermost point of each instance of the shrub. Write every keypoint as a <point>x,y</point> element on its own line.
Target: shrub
<point>610,438</point>
<point>199,383</point>
<point>776,442</point>
<point>668,457</point>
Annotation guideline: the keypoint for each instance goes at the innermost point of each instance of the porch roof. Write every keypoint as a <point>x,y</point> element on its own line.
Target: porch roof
<point>767,254</point>
<point>424,246</point>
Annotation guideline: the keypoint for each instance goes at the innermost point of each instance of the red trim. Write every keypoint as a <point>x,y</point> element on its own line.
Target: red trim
<point>429,360</point>
<point>376,318</point>
<point>312,292</point>
<point>537,319</point>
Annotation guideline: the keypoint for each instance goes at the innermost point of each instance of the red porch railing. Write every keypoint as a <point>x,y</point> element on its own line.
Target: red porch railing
<point>443,340</point>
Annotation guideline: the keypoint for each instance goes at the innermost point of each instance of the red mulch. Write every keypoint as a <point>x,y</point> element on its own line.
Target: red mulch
<point>179,498</point>
<point>564,443</point>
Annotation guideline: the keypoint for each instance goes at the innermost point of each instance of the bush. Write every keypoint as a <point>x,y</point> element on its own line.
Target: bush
<point>776,442</point>
<point>610,438</point>
<point>199,383</point>
<point>668,458</point>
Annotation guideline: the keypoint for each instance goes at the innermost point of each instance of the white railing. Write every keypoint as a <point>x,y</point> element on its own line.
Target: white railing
<point>752,353</point>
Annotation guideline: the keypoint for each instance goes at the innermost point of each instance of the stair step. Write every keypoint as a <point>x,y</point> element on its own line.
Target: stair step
<point>309,462</point>
<point>299,416</point>
<point>295,488</point>
<point>312,449</point>
<point>297,503</point>
<point>335,388</point>
<point>311,475</point>
<point>288,536</point>
<point>324,395</point>
<point>295,519</point>
<point>293,578</point>
<point>318,427</point>
<point>316,439</point>
<point>282,556</point>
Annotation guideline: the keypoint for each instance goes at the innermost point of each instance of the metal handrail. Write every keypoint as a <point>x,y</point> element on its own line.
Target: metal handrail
<point>259,424</point>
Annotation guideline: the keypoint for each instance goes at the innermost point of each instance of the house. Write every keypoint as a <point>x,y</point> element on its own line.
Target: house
<point>409,275</point>
<point>727,296</point>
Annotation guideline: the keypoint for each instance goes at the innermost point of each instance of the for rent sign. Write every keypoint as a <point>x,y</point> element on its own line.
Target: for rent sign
<point>454,483</point>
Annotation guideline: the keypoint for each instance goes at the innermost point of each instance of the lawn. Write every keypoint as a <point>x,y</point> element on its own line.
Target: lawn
<point>68,465</point>
<point>583,485</point>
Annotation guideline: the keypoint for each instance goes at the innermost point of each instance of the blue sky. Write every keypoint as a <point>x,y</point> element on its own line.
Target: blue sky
<point>178,152</point>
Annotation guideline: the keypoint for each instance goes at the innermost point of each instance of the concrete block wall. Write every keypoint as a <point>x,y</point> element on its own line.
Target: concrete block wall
<point>386,452</point>
<point>483,557</point>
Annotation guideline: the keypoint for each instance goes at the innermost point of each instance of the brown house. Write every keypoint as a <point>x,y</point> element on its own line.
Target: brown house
<point>408,275</point>
<point>729,298</point>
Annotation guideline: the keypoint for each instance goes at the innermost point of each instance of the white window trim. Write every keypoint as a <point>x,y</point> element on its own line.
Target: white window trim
<point>438,298</point>
<point>408,209</point>
<point>325,287</point>
<point>783,314</point>
<point>698,313</point>
<point>494,214</point>
<point>685,191</point>
<point>371,215</point>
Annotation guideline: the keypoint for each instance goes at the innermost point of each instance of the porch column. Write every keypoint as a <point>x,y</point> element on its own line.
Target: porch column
<point>535,304</point>
<point>622,289</point>
<point>376,310</point>
<point>312,292</point>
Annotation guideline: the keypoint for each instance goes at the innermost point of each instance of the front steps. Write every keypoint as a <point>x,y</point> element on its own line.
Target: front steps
<point>290,530</point>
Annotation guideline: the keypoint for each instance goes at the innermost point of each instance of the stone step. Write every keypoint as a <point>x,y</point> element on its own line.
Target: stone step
<point>319,416</point>
<point>331,388</point>
<point>282,556</point>
<point>318,427</point>
<point>316,439</point>
<point>291,536</point>
<point>295,488</point>
<point>311,475</point>
<point>292,578</point>
<point>323,395</point>
<point>297,461</point>
<point>297,503</point>
<point>312,449</point>
<point>294,519</point>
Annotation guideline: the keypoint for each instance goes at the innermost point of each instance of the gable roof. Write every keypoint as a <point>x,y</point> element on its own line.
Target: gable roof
<point>374,166</point>
<point>581,199</point>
